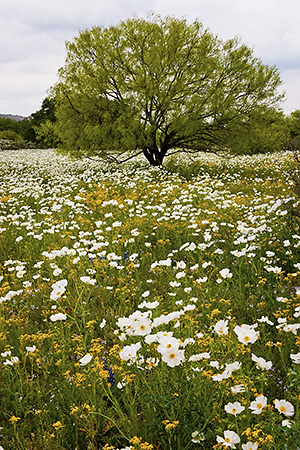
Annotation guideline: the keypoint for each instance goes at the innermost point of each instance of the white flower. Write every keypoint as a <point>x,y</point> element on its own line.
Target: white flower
<point>238,388</point>
<point>57,292</point>
<point>129,351</point>
<point>291,327</point>
<point>282,321</point>
<point>233,366</point>
<point>180,275</point>
<point>246,333</point>
<point>229,368</point>
<point>173,357</point>
<point>295,357</point>
<point>141,327</point>
<point>225,273</point>
<point>167,344</point>
<point>165,262</point>
<point>261,363</point>
<point>56,272</point>
<point>196,437</point>
<point>234,408</point>
<point>221,327</point>
<point>59,283</point>
<point>281,299</point>
<point>258,404</point>
<point>265,319</point>
<point>7,363</point>
<point>297,312</point>
<point>206,264</point>
<point>230,439</point>
<point>250,446</point>
<point>31,349</point>
<point>85,359</point>
<point>221,376</point>
<point>284,407</point>
<point>88,280</point>
<point>14,359</point>
<point>102,324</point>
<point>180,265</point>
<point>205,355</point>
<point>58,316</point>
<point>145,294</point>
<point>148,305</point>
<point>215,364</point>
<point>286,423</point>
<point>201,280</point>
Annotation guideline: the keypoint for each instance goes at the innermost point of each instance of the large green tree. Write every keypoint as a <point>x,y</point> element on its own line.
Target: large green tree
<point>156,86</point>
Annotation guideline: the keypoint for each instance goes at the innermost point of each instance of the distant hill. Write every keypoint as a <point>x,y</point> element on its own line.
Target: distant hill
<point>12,116</point>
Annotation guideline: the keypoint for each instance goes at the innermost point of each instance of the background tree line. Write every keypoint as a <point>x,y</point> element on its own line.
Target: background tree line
<point>32,130</point>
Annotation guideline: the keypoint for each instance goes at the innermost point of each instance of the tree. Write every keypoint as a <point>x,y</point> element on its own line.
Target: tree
<point>293,130</point>
<point>260,132</point>
<point>158,86</point>
<point>42,124</point>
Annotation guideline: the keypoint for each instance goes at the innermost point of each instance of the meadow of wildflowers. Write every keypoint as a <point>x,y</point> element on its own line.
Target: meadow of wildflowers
<point>146,309</point>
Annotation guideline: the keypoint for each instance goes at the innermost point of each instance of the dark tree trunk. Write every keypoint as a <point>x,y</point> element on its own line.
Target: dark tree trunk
<point>154,156</point>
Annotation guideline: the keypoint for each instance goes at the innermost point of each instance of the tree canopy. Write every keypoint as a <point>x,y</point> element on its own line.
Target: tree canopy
<point>159,85</point>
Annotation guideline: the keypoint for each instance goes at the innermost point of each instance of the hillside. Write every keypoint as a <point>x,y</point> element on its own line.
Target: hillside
<point>12,116</point>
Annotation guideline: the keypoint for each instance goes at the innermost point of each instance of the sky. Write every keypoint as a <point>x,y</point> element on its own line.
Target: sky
<point>33,34</point>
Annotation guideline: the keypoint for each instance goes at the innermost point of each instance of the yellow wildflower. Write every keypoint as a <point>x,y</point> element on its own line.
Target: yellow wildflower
<point>14,419</point>
<point>57,425</point>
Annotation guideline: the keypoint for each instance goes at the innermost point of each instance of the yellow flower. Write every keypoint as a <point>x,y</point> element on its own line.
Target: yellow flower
<point>170,425</point>
<point>146,446</point>
<point>135,440</point>
<point>14,419</point>
<point>74,409</point>
<point>58,425</point>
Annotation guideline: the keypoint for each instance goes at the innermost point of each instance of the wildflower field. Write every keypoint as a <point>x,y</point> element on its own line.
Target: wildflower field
<point>147,309</point>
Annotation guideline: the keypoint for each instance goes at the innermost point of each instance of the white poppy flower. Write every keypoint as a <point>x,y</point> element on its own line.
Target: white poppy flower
<point>85,359</point>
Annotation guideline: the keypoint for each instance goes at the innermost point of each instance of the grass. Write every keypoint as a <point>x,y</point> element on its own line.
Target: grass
<point>148,309</point>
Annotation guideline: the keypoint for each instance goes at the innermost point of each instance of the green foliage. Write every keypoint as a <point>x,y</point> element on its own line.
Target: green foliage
<point>9,124</point>
<point>160,84</point>
<point>10,134</point>
<point>42,124</point>
<point>262,132</point>
<point>45,134</point>
<point>293,130</point>
<point>38,128</point>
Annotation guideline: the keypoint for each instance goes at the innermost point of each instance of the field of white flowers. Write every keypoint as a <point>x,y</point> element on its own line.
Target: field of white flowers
<point>148,309</point>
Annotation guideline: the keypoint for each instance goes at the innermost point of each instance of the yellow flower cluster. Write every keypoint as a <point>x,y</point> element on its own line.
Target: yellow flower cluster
<point>139,445</point>
<point>170,425</point>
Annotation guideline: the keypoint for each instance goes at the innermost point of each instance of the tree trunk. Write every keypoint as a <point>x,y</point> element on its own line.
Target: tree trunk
<point>154,156</point>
